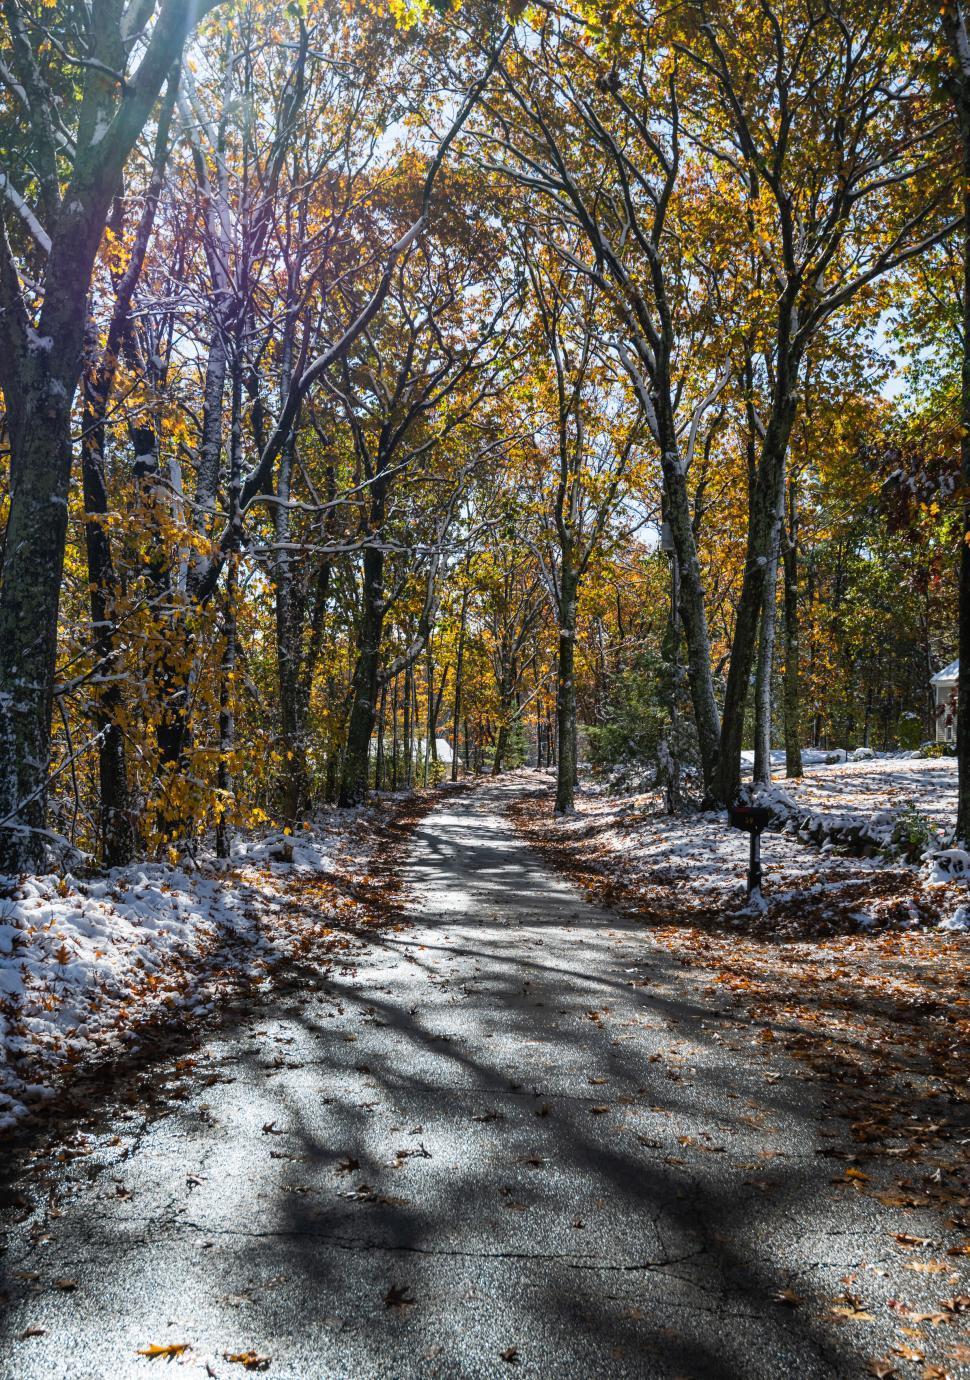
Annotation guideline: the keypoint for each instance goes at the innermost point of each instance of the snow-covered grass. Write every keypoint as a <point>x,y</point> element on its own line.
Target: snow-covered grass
<point>883,784</point>
<point>695,865</point>
<point>85,963</point>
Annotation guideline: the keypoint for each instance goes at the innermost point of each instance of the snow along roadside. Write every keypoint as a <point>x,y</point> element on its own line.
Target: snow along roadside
<point>84,964</point>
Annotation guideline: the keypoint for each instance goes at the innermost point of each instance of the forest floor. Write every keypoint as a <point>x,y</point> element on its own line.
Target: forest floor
<point>516,1132</point>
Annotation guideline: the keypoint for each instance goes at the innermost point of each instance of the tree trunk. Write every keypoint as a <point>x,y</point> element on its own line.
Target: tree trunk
<point>954,24</point>
<point>694,616</point>
<point>501,743</point>
<point>766,497</point>
<point>766,657</point>
<point>459,668</point>
<point>410,725</point>
<point>793,737</point>
<point>566,697</point>
<point>227,723</point>
<point>760,521</point>
<point>356,767</point>
<point>671,768</point>
<point>294,784</point>
<point>117,823</point>
<point>379,764</point>
<point>32,569</point>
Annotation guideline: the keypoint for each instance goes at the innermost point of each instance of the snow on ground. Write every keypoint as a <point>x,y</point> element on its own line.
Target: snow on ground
<point>695,865</point>
<point>85,963</point>
<point>884,783</point>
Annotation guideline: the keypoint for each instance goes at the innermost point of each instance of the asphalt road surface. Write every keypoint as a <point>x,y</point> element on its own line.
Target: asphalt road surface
<point>519,1140</point>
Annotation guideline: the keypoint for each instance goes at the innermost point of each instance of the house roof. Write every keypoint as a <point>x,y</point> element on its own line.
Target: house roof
<point>948,676</point>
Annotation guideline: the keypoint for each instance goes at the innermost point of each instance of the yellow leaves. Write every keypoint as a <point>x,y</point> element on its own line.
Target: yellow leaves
<point>166,1350</point>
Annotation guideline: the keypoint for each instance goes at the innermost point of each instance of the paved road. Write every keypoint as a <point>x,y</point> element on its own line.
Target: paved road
<point>521,1140</point>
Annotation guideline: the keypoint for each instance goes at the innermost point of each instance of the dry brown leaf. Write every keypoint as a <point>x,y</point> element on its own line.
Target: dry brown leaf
<point>787,1296</point>
<point>252,1360</point>
<point>882,1367</point>
<point>398,1297</point>
<point>907,1352</point>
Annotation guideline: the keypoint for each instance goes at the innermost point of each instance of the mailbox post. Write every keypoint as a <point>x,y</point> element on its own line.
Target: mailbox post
<point>753,819</point>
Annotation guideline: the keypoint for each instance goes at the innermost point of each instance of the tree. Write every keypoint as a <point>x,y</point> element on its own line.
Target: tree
<point>835,147</point>
<point>47,255</point>
<point>597,139</point>
<point>581,483</point>
<point>955,27</point>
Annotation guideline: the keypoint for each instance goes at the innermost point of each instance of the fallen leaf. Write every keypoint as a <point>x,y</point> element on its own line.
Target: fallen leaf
<point>787,1296</point>
<point>398,1297</point>
<point>66,1284</point>
<point>510,1355</point>
<point>31,1332</point>
<point>348,1165</point>
<point>166,1349</point>
<point>960,1303</point>
<point>882,1367</point>
<point>850,1306</point>
<point>907,1352</point>
<point>856,1314</point>
<point>252,1360</point>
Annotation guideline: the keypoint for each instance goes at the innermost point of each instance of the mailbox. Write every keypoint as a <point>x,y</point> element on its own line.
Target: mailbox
<point>753,819</point>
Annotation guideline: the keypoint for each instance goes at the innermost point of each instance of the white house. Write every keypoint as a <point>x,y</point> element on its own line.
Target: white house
<point>445,753</point>
<point>944,685</point>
